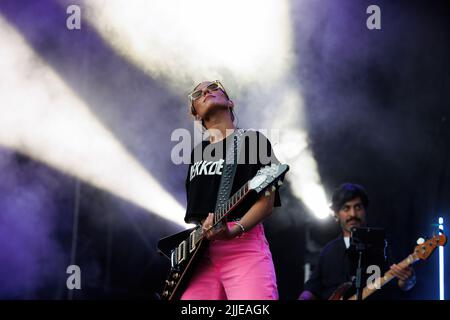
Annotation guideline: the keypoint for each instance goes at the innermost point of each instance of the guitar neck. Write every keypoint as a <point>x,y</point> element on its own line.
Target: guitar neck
<point>231,203</point>
<point>388,276</point>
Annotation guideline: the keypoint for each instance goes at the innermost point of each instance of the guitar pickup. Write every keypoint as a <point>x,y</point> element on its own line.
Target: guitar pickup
<point>192,240</point>
<point>174,258</point>
<point>182,251</point>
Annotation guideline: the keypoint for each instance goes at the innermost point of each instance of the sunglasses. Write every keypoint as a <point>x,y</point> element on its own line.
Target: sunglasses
<point>213,86</point>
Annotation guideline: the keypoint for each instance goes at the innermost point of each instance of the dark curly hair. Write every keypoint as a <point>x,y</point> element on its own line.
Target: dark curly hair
<point>346,192</point>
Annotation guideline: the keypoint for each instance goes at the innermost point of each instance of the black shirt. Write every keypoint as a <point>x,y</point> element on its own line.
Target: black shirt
<point>205,171</point>
<point>337,265</point>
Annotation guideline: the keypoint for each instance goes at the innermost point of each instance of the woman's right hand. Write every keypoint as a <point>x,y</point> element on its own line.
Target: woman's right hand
<point>222,233</point>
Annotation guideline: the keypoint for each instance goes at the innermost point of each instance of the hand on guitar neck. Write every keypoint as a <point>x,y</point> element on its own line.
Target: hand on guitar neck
<point>405,275</point>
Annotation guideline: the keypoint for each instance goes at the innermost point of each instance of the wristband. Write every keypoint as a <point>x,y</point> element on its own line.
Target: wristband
<point>240,225</point>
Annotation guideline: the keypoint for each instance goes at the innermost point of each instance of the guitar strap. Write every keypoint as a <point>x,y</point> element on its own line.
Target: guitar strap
<point>229,170</point>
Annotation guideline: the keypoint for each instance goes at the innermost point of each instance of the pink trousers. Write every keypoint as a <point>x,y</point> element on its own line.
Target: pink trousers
<point>237,269</point>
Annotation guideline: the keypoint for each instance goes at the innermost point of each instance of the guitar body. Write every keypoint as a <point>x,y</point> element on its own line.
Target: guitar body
<point>339,293</point>
<point>183,249</point>
<point>179,274</point>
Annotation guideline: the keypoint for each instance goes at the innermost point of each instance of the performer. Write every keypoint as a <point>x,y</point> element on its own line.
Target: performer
<point>237,263</point>
<point>336,263</point>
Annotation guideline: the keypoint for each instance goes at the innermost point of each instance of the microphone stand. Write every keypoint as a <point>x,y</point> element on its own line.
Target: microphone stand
<point>360,248</point>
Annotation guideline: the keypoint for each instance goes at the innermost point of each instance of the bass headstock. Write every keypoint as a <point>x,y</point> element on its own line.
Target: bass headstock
<point>425,249</point>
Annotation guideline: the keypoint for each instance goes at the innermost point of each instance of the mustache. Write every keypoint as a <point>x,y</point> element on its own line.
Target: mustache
<point>356,219</point>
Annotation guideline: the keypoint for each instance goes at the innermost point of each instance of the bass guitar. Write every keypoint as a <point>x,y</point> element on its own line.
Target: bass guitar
<point>421,252</point>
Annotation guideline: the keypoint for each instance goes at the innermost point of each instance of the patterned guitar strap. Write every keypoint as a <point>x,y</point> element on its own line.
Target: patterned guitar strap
<point>229,170</point>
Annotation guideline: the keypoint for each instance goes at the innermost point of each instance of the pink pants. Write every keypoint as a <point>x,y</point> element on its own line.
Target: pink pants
<point>237,269</point>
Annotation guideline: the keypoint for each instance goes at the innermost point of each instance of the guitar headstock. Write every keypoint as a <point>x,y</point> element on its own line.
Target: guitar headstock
<point>425,249</point>
<point>268,176</point>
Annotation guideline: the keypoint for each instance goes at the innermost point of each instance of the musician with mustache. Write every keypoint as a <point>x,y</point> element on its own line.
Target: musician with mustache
<point>337,263</point>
